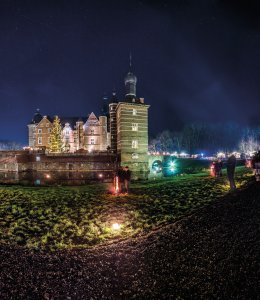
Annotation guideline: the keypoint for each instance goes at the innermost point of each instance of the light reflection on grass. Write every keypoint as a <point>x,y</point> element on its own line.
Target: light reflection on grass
<point>68,217</point>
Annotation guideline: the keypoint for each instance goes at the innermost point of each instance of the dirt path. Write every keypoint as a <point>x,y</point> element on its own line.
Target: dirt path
<point>211,254</point>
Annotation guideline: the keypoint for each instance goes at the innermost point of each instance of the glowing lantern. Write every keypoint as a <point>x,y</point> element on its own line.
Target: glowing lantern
<point>116,226</point>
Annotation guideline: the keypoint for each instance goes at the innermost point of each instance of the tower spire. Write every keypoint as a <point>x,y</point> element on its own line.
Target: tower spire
<point>130,81</point>
<point>130,61</point>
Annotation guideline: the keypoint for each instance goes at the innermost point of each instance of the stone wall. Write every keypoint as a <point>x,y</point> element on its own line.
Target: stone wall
<point>78,168</point>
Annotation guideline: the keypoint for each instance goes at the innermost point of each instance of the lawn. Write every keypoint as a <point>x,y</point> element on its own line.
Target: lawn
<point>51,218</point>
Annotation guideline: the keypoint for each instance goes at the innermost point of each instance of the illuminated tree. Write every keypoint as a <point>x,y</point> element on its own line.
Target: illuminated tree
<point>56,136</point>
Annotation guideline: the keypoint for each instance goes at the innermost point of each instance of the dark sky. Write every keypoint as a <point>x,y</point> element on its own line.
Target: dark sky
<point>194,60</point>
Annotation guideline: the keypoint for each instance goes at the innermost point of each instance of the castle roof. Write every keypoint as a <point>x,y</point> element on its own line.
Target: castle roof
<point>37,117</point>
<point>92,120</point>
<point>72,120</point>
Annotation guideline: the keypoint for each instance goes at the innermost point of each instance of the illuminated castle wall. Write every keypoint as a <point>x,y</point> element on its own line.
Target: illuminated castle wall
<point>89,133</point>
<point>123,130</point>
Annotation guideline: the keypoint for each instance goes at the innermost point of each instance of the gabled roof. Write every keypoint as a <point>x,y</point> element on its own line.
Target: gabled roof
<point>37,118</point>
<point>92,120</point>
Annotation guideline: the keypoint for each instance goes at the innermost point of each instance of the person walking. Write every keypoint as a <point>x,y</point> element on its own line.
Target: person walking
<point>127,178</point>
<point>231,165</point>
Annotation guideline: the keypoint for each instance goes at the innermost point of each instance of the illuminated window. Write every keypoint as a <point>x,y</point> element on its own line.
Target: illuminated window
<point>38,158</point>
<point>134,126</point>
<point>135,156</point>
<point>134,144</point>
<point>39,140</point>
<point>134,112</point>
<point>39,130</point>
<point>92,141</point>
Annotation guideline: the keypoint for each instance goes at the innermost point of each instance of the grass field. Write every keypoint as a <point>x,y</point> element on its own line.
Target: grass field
<point>50,218</point>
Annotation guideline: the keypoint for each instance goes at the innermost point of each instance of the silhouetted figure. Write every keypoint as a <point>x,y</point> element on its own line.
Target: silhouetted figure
<point>121,178</point>
<point>218,168</point>
<point>127,178</point>
<point>231,165</point>
<point>256,165</point>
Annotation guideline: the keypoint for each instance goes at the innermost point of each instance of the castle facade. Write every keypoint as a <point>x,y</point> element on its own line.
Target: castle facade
<point>121,130</point>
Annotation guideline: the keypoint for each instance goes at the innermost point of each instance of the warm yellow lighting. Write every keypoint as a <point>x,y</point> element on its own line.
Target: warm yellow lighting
<point>48,176</point>
<point>116,226</point>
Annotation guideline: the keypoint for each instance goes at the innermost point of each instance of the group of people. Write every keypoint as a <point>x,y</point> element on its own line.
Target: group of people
<point>124,176</point>
<point>231,165</point>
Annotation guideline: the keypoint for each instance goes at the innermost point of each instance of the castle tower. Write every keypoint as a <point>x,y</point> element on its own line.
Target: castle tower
<point>32,128</point>
<point>113,122</point>
<point>132,131</point>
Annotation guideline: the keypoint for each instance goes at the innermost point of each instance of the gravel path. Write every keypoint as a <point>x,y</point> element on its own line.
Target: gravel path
<point>212,254</point>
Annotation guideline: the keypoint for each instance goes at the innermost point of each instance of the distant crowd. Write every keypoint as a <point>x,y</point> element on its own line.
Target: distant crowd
<point>216,168</point>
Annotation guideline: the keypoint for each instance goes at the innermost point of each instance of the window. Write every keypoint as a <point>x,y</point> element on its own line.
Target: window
<point>49,140</point>
<point>92,141</point>
<point>135,156</point>
<point>38,158</point>
<point>49,130</point>
<point>134,144</point>
<point>134,126</point>
<point>92,131</point>
<point>40,131</point>
<point>47,124</point>
<point>39,140</point>
<point>134,112</point>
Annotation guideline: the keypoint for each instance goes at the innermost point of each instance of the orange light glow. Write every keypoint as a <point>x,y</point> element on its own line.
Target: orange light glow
<point>116,185</point>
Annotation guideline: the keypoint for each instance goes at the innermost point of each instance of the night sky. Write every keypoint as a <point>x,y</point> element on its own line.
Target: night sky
<point>194,60</point>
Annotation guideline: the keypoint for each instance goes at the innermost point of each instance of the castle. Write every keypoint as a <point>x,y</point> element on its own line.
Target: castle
<point>122,131</point>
